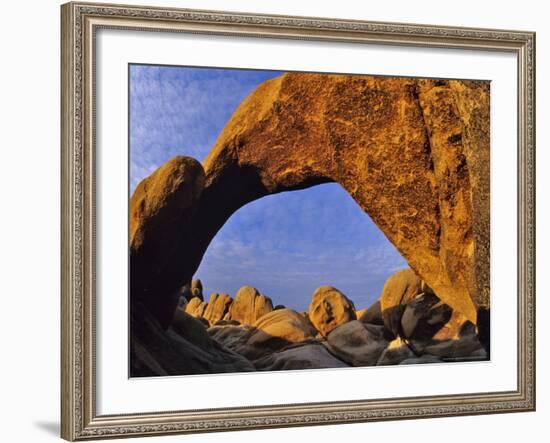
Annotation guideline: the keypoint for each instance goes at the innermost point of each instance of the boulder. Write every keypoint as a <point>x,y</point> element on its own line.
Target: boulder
<point>277,330</point>
<point>396,352</point>
<point>233,337</point>
<point>399,289</point>
<point>248,306</point>
<point>273,331</point>
<point>372,315</point>
<point>305,356</point>
<point>191,290</point>
<point>329,308</point>
<point>190,328</point>
<point>218,306</point>
<point>286,324</point>
<point>196,307</point>
<point>356,343</point>
<point>161,213</point>
<point>424,316</point>
<point>196,289</point>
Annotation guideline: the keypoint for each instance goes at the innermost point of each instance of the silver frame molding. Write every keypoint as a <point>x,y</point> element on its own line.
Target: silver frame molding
<point>79,22</point>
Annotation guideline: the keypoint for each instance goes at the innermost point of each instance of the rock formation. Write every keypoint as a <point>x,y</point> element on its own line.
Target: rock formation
<point>284,324</point>
<point>357,343</point>
<point>396,352</point>
<point>413,154</point>
<point>457,326</point>
<point>305,356</point>
<point>329,308</point>
<point>196,289</point>
<point>273,331</point>
<point>183,348</point>
<point>372,315</point>
<point>196,307</point>
<point>198,340</point>
<point>399,289</point>
<point>409,151</point>
<point>248,306</point>
<point>218,306</point>
<point>424,316</point>
<point>161,213</point>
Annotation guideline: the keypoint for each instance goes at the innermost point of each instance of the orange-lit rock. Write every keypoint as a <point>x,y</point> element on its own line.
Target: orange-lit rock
<point>413,153</point>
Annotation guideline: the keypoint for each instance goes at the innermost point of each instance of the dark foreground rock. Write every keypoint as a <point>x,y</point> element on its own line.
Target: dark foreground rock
<point>183,348</point>
<point>357,343</point>
<point>199,340</point>
<point>399,289</point>
<point>424,316</point>
<point>372,315</point>
<point>303,356</point>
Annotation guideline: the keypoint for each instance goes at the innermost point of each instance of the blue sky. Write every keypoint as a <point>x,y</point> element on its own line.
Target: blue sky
<point>287,244</point>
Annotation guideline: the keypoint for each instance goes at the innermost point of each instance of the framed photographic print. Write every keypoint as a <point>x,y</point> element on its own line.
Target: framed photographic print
<point>283,221</point>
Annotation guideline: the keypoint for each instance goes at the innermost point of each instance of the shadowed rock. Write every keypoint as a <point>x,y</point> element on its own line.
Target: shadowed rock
<point>191,290</point>
<point>329,308</point>
<point>372,315</point>
<point>305,356</point>
<point>161,212</point>
<point>357,343</point>
<point>196,289</point>
<point>399,289</point>
<point>183,348</point>
<point>424,316</point>
<point>465,348</point>
<point>396,352</point>
<point>232,336</point>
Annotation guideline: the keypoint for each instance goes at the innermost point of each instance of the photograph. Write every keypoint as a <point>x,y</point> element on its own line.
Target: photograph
<point>283,220</point>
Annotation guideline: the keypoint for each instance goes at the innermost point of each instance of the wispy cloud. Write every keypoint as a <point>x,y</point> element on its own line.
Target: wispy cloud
<point>175,111</point>
<point>286,244</point>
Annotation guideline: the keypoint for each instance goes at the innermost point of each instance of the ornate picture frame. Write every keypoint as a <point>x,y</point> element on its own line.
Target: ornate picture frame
<point>80,23</point>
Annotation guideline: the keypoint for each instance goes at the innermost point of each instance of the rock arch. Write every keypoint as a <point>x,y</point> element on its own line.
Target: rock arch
<point>413,153</point>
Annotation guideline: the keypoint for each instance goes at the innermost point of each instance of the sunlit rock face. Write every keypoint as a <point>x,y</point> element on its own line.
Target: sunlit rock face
<point>414,154</point>
<point>330,308</point>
